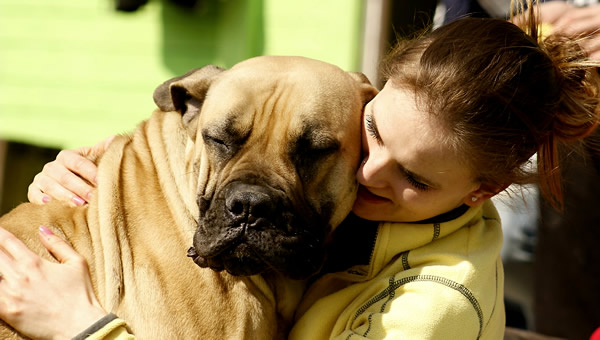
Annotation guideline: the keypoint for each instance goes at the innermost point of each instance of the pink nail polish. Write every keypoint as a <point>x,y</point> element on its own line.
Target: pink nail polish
<point>78,200</point>
<point>46,199</point>
<point>45,230</point>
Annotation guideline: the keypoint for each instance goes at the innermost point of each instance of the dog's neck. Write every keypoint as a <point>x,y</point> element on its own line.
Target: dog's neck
<point>174,148</point>
<point>141,153</point>
<point>285,293</point>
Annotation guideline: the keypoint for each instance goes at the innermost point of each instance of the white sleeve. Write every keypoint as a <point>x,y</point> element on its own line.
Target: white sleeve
<point>496,8</point>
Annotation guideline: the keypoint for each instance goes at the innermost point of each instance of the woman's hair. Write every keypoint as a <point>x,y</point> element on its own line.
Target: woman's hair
<point>503,94</point>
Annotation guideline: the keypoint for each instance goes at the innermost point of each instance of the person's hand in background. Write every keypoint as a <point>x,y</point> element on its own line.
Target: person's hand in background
<point>575,21</point>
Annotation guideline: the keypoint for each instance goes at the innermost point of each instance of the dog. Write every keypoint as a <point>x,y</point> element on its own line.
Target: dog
<point>252,166</point>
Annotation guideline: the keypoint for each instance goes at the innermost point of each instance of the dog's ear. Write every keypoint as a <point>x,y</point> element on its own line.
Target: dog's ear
<point>368,91</point>
<point>186,93</point>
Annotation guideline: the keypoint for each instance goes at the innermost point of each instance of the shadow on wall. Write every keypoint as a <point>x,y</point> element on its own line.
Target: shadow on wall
<point>23,162</point>
<point>196,32</point>
<point>236,32</point>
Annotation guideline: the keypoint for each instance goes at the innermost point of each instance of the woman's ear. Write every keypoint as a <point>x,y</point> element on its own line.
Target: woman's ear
<point>481,194</point>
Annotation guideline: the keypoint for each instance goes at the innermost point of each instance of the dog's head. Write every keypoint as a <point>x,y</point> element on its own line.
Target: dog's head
<point>277,146</point>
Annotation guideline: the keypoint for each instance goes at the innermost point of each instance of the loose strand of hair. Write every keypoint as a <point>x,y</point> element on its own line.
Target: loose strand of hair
<point>549,173</point>
<point>526,14</point>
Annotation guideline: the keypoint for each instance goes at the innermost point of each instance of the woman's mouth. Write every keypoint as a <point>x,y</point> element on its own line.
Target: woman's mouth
<point>367,196</point>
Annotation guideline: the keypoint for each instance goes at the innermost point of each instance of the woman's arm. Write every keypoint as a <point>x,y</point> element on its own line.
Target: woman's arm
<point>70,178</point>
<point>46,300</point>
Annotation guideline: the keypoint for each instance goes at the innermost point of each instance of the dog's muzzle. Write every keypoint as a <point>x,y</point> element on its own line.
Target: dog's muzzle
<point>247,229</point>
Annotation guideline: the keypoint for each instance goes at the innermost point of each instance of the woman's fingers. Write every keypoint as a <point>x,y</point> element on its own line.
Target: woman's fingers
<point>36,195</point>
<point>14,256</point>
<point>14,247</point>
<point>69,178</point>
<point>7,269</point>
<point>39,297</point>
<point>59,183</point>
<point>60,249</point>
<point>76,162</point>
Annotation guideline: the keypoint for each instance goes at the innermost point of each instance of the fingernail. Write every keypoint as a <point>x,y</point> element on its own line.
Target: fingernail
<point>78,200</point>
<point>46,199</point>
<point>44,230</point>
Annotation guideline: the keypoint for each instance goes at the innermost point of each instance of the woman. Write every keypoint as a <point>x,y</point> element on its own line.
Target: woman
<point>463,110</point>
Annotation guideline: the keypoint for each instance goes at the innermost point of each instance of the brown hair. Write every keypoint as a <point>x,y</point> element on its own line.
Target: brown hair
<point>504,94</point>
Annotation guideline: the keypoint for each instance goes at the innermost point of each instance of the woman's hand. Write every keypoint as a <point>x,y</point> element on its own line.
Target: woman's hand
<point>70,178</point>
<point>43,299</point>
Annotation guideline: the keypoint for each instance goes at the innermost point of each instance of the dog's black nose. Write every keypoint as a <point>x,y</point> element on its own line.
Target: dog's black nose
<point>249,202</point>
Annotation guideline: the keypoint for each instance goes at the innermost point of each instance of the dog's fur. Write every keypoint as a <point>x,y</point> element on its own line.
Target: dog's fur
<point>255,164</point>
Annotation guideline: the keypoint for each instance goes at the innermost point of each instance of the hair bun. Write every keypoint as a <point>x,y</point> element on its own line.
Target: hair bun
<point>573,94</point>
<point>577,112</point>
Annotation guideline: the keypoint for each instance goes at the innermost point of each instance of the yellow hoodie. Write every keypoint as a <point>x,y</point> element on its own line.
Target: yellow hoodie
<point>437,279</point>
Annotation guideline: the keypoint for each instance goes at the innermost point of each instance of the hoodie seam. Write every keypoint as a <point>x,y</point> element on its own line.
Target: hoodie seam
<point>390,290</point>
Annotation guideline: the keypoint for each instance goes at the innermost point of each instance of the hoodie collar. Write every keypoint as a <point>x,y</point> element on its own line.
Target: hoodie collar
<point>359,242</point>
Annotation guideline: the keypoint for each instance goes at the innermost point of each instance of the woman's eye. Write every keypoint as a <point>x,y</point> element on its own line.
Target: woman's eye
<point>371,128</point>
<point>418,185</point>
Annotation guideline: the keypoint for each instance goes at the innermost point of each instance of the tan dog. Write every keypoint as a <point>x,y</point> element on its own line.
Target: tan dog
<point>255,164</point>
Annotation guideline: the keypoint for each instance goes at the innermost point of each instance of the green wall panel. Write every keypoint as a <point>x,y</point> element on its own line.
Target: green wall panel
<point>75,72</point>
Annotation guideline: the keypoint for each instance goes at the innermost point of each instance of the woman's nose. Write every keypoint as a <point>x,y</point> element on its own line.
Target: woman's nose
<point>372,171</point>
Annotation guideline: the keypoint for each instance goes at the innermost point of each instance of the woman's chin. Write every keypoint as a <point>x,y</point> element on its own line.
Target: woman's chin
<point>369,211</point>
<point>366,215</point>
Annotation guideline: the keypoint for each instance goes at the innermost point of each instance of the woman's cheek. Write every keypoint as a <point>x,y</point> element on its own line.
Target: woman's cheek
<point>407,193</point>
<point>411,196</point>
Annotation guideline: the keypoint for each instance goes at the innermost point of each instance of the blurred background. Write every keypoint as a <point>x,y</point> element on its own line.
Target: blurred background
<point>75,72</point>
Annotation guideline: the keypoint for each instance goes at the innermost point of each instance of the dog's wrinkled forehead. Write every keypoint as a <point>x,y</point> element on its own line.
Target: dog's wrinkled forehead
<point>287,95</point>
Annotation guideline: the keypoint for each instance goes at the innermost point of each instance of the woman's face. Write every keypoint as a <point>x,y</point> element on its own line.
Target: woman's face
<point>407,174</point>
